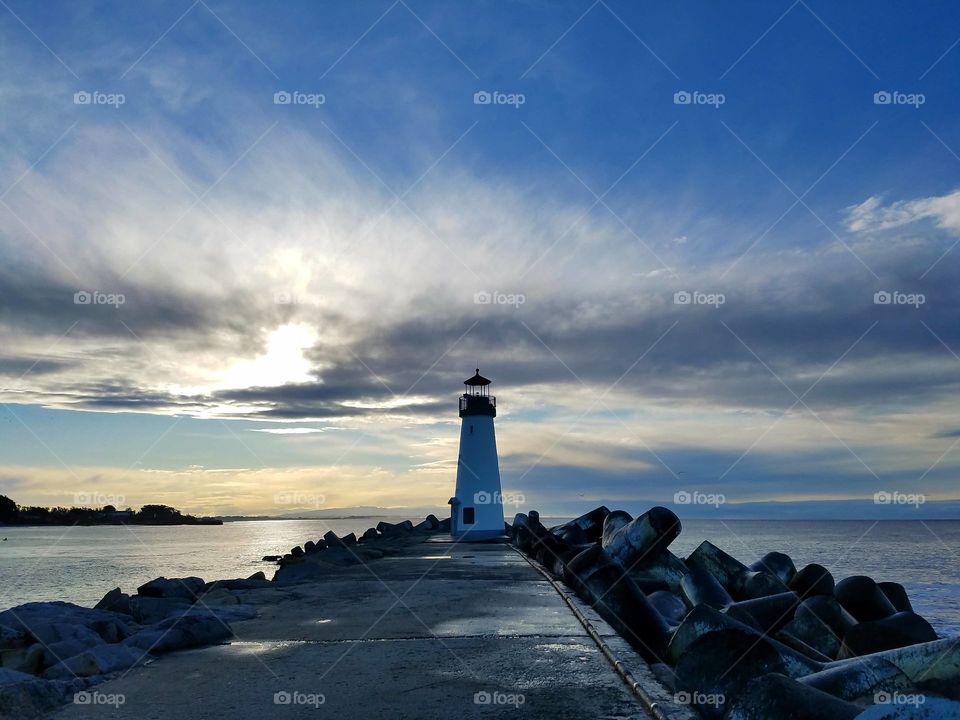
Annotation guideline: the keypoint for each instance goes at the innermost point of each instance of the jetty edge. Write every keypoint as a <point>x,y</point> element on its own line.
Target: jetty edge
<point>758,642</point>
<point>414,624</point>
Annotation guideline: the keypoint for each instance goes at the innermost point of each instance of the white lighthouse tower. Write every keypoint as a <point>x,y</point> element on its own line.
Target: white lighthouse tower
<point>476,511</point>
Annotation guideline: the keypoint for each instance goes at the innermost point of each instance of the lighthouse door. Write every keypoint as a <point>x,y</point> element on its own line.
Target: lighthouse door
<point>469,516</point>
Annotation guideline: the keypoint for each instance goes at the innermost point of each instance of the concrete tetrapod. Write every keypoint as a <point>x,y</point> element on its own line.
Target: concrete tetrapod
<point>611,592</point>
<point>641,538</point>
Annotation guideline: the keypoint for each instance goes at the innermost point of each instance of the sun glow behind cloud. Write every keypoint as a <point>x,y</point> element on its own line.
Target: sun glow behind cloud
<point>282,362</point>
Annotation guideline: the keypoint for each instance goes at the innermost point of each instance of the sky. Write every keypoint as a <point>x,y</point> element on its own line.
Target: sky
<point>706,252</point>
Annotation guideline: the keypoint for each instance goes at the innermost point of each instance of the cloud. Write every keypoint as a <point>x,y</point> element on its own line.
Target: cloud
<point>290,431</point>
<point>872,215</point>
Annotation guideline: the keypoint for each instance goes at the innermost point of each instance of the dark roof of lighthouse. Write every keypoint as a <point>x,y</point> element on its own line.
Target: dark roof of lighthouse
<point>477,379</point>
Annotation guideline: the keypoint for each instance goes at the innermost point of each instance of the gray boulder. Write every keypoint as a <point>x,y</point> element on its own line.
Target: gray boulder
<point>9,677</point>
<point>184,588</point>
<point>33,616</point>
<point>26,696</point>
<point>115,601</point>
<point>60,632</point>
<point>189,631</point>
<point>61,640</point>
<point>318,566</point>
<point>219,596</point>
<point>255,582</point>
<point>96,661</point>
<point>12,638</point>
<point>23,659</point>
<point>149,610</point>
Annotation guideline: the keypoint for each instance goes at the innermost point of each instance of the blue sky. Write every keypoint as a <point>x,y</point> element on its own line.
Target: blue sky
<point>314,267</point>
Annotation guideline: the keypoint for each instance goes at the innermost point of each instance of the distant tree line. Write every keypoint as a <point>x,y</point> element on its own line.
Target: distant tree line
<point>13,514</point>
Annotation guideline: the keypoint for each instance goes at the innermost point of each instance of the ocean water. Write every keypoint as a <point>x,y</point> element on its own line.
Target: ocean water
<point>80,564</point>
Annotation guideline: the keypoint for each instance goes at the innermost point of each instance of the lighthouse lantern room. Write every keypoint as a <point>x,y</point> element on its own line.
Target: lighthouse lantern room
<point>476,510</point>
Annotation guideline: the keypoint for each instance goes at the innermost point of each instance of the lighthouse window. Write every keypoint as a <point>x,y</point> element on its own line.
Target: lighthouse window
<point>469,516</point>
<point>471,429</point>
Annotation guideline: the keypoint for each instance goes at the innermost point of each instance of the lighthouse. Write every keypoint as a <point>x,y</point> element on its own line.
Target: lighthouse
<point>476,510</point>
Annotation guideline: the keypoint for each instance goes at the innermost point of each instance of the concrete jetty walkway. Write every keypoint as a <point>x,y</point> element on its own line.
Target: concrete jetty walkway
<point>442,630</point>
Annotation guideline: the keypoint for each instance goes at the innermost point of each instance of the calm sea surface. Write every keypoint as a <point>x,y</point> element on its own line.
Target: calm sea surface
<point>81,564</point>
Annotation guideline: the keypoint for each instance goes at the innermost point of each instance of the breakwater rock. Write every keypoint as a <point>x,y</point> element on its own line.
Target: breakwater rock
<point>316,559</point>
<point>50,651</point>
<point>763,641</point>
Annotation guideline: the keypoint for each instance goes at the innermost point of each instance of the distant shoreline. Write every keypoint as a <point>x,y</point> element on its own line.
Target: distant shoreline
<point>219,521</point>
<point>199,521</point>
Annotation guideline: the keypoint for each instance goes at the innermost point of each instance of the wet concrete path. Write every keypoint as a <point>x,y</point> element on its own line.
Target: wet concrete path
<point>443,630</point>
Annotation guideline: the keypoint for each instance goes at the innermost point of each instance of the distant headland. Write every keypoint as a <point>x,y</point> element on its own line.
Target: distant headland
<point>13,514</point>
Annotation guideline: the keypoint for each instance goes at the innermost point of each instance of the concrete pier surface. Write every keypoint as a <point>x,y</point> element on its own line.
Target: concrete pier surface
<point>441,630</point>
